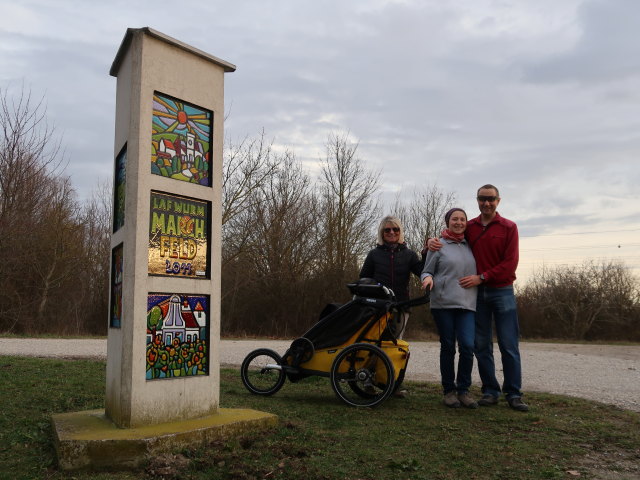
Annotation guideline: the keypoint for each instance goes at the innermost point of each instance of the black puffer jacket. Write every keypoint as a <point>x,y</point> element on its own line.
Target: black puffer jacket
<point>392,267</point>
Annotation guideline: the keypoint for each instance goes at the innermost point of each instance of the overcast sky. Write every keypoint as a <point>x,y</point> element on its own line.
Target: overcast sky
<point>541,98</point>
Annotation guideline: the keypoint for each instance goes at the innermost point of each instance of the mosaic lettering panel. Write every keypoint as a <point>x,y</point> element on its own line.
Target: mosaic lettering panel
<point>177,335</point>
<point>119,189</point>
<point>181,140</point>
<point>178,234</point>
<point>117,260</point>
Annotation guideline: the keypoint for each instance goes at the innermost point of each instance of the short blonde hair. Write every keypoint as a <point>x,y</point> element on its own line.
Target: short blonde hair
<point>395,221</point>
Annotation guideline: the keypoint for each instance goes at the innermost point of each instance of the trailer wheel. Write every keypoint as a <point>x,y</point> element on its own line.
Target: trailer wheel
<point>362,375</point>
<point>262,373</point>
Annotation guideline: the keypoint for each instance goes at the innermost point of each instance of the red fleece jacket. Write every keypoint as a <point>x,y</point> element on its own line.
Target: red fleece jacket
<point>495,248</point>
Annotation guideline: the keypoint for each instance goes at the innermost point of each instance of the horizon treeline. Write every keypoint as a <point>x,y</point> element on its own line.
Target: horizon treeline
<point>290,244</point>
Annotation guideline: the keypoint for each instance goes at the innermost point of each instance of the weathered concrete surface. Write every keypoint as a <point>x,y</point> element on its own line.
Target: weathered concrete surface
<point>89,440</point>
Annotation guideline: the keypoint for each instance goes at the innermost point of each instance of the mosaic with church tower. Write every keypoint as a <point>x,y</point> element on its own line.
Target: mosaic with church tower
<point>181,138</point>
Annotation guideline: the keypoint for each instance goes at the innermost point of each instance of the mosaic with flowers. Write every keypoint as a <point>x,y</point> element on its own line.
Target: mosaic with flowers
<point>177,335</point>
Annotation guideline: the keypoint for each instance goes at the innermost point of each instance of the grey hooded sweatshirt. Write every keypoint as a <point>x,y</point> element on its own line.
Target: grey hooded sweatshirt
<point>452,262</point>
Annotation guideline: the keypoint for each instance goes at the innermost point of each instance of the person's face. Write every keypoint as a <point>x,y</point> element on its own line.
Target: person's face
<point>391,233</point>
<point>457,222</point>
<point>488,201</point>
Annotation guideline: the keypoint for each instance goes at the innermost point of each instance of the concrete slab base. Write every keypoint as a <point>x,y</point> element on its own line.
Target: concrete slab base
<point>89,440</point>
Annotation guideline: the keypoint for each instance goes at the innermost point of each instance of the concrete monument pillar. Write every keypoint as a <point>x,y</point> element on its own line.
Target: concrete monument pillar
<point>162,389</point>
<point>163,343</point>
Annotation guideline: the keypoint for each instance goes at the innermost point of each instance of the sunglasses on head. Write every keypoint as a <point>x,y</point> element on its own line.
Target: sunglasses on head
<point>389,230</point>
<point>487,198</point>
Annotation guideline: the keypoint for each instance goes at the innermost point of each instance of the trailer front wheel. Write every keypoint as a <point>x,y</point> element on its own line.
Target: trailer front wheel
<point>262,373</point>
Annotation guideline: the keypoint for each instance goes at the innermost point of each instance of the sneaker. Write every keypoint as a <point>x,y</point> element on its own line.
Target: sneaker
<point>451,400</point>
<point>517,404</point>
<point>467,400</point>
<point>488,400</point>
<point>400,394</point>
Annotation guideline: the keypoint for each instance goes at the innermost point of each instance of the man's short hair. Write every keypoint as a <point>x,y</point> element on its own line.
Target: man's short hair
<point>488,186</point>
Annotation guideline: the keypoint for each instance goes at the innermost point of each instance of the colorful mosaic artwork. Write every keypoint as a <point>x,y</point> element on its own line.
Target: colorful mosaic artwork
<point>115,319</point>
<point>118,189</point>
<point>181,140</point>
<point>178,233</point>
<point>177,335</point>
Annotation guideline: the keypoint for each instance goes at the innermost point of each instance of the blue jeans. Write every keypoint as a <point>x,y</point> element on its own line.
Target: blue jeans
<point>499,305</point>
<point>455,324</point>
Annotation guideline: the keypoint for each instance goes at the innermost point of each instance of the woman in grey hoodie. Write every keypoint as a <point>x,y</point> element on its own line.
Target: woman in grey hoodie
<point>453,307</point>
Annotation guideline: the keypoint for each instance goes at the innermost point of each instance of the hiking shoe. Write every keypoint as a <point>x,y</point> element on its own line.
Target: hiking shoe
<point>451,400</point>
<point>467,400</point>
<point>517,404</point>
<point>400,394</point>
<point>488,400</point>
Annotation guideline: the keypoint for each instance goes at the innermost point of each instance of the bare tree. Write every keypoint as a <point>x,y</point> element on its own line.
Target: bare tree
<point>287,246</point>
<point>29,153</point>
<point>90,312</point>
<point>423,213</point>
<point>54,259</point>
<point>247,167</point>
<point>29,160</point>
<point>55,277</point>
<point>285,250</point>
<point>349,209</point>
<point>265,283</point>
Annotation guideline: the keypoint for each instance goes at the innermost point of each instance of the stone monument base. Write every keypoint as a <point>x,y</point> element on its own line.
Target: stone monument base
<point>90,441</point>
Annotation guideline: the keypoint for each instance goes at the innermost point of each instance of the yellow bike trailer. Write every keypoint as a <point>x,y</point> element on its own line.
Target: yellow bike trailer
<point>352,344</point>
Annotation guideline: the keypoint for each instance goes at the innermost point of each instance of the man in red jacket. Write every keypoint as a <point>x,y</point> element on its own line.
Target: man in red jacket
<point>494,242</point>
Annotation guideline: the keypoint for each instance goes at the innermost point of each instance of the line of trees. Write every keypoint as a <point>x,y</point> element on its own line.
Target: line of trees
<point>290,243</point>
<point>55,251</point>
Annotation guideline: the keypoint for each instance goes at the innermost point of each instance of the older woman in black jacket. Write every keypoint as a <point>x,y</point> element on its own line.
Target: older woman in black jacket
<point>391,264</point>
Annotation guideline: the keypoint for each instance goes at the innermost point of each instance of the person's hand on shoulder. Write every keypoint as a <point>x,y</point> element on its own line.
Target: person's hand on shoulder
<point>434,244</point>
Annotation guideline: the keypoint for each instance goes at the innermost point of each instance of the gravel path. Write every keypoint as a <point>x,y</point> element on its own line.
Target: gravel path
<point>605,373</point>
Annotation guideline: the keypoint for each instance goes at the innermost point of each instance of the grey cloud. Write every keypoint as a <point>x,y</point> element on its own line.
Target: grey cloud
<point>428,100</point>
<point>547,224</point>
<point>606,50</point>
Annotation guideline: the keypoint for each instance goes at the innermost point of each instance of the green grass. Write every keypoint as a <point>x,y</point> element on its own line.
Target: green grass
<point>319,437</point>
